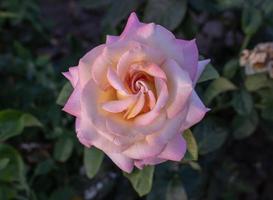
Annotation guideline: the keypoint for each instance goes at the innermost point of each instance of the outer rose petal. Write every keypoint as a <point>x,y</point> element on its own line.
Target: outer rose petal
<point>144,149</point>
<point>89,133</point>
<point>190,56</point>
<point>201,66</point>
<point>158,37</point>
<point>86,64</point>
<point>132,24</point>
<point>175,149</point>
<point>197,111</point>
<point>111,39</point>
<point>180,87</point>
<point>148,161</point>
<point>72,75</point>
<point>122,161</point>
<point>170,129</point>
<point>72,105</point>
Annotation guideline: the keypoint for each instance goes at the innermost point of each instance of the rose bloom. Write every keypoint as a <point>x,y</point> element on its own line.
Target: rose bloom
<point>134,95</point>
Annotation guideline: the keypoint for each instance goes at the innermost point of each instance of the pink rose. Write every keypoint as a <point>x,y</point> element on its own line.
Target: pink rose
<point>134,95</point>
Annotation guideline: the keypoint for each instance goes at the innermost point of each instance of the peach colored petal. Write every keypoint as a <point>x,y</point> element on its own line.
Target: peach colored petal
<point>158,37</point>
<point>115,81</point>
<point>152,100</point>
<point>122,161</point>
<point>162,99</point>
<point>91,100</point>
<point>99,70</point>
<point>180,87</point>
<point>136,109</point>
<point>175,149</point>
<point>86,64</point>
<point>143,149</point>
<point>201,66</point>
<point>151,69</point>
<point>118,105</point>
<point>162,93</point>
<point>90,136</point>
<point>197,111</point>
<point>169,130</point>
<point>137,53</point>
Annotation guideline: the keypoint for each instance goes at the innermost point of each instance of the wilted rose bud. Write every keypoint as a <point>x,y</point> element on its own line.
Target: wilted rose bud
<point>258,60</point>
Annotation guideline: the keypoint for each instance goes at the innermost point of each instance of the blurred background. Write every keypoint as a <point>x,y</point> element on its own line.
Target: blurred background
<point>40,156</point>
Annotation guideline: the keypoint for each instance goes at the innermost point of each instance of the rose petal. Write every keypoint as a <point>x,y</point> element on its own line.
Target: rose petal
<point>118,105</point>
<point>99,70</point>
<point>132,24</point>
<point>190,57</point>
<point>175,149</point>
<point>122,161</point>
<point>115,81</point>
<point>169,130</point>
<point>72,105</point>
<point>201,66</point>
<point>137,54</point>
<point>148,161</point>
<point>136,109</point>
<point>72,75</point>
<point>143,149</point>
<point>180,86</point>
<point>163,96</point>
<point>152,100</point>
<point>151,69</point>
<point>86,64</point>
<point>197,111</point>
<point>111,39</point>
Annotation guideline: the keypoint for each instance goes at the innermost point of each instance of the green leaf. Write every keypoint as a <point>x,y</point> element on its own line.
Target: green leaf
<point>192,148</point>
<point>244,126</point>
<point>231,68</point>
<point>251,20</point>
<point>210,135</point>
<point>267,111</point>
<point>64,94</point>
<point>257,81</point>
<point>12,123</point>
<point>63,149</point>
<point>29,120</point>
<point>65,193</point>
<point>175,190</point>
<point>7,192</point>
<point>242,102</point>
<point>208,74</point>
<point>168,13</point>
<point>4,14</point>
<point>142,180</point>
<point>217,87</point>
<point>14,170</point>
<point>4,162</point>
<point>44,167</point>
<point>93,158</point>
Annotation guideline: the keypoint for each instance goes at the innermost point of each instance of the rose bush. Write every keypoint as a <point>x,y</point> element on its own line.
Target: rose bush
<point>134,95</point>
